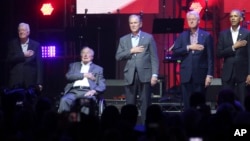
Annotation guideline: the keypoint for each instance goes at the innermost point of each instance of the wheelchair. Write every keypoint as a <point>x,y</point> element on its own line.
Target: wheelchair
<point>95,104</point>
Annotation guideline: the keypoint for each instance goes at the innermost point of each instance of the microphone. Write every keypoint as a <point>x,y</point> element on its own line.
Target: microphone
<point>86,10</point>
<point>85,17</point>
<point>141,14</point>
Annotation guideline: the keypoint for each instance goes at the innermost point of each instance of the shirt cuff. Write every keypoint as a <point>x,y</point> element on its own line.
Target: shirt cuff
<point>188,48</point>
<point>155,75</point>
<point>210,76</point>
<point>233,48</point>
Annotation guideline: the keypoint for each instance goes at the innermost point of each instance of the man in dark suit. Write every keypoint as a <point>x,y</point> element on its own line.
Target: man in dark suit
<point>234,48</point>
<point>195,47</point>
<point>25,60</point>
<point>85,81</point>
<point>139,49</point>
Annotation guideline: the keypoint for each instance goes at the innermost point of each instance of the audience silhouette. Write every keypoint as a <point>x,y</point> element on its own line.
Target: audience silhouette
<point>44,123</point>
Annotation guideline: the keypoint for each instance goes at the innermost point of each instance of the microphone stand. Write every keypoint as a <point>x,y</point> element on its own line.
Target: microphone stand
<point>84,28</point>
<point>85,18</point>
<point>164,49</point>
<point>206,13</point>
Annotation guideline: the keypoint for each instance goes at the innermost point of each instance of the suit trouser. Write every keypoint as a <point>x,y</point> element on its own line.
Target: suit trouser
<point>239,88</point>
<point>143,90</point>
<point>69,99</point>
<point>188,89</point>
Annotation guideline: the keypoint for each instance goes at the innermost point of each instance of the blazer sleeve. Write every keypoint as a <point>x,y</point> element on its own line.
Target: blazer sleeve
<point>180,45</point>
<point>40,64</point>
<point>100,84</point>
<point>248,50</point>
<point>210,54</point>
<point>154,56</point>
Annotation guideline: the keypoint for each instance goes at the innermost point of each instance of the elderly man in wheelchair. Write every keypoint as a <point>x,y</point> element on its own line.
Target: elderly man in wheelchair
<point>86,84</point>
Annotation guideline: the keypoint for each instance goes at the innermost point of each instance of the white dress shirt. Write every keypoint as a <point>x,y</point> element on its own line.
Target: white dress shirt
<point>84,82</point>
<point>135,39</point>
<point>25,46</point>
<point>234,35</point>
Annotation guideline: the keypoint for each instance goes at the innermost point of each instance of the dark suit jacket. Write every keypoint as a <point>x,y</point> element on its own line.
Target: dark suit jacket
<point>238,60</point>
<point>24,71</point>
<point>74,74</point>
<point>195,65</point>
<point>146,63</point>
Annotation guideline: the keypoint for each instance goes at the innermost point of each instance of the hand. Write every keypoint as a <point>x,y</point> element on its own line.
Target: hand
<point>154,80</point>
<point>239,44</point>
<point>248,80</point>
<point>28,53</point>
<point>208,81</point>
<point>89,76</point>
<point>40,87</point>
<point>90,93</point>
<point>196,47</point>
<point>137,49</point>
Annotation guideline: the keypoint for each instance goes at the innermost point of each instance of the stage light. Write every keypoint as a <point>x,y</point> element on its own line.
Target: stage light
<point>196,6</point>
<point>47,9</point>
<point>48,51</point>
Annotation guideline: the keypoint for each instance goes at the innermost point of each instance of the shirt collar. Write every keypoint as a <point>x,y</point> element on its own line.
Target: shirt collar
<point>88,64</point>
<point>138,35</point>
<point>195,33</point>
<point>237,30</point>
<point>26,42</point>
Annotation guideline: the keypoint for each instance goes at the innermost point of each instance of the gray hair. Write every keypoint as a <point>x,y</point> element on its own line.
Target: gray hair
<point>27,26</point>
<point>237,11</point>
<point>91,50</point>
<point>135,16</point>
<point>195,13</point>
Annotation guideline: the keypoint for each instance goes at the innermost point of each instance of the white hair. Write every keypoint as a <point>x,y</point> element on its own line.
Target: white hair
<point>91,50</point>
<point>195,13</point>
<point>27,26</point>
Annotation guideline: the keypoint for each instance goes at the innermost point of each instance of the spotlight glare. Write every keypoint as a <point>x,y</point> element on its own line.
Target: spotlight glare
<point>47,9</point>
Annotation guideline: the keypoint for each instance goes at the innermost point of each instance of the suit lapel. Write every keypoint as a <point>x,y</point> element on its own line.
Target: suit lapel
<point>188,37</point>
<point>128,38</point>
<point>229,37</point>
<point>200,36</point>
<point>78,66</point>
<point>240,35</point>
<point>142,36</point>
<point>30,45</point>
<point>91,68</point>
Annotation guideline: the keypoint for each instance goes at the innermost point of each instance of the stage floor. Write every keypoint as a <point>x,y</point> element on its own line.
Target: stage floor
<point>168,105</point>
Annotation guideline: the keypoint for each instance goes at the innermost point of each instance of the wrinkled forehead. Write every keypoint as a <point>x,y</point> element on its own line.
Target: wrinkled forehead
<point>236,12</point>
<point>24,27</point>
<point>87,51</point>
<point>134,18</point>
<point>192,16</point>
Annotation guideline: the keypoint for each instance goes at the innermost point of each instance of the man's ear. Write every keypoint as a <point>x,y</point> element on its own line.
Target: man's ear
<point>141,25</point>
<point>241,19</point>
